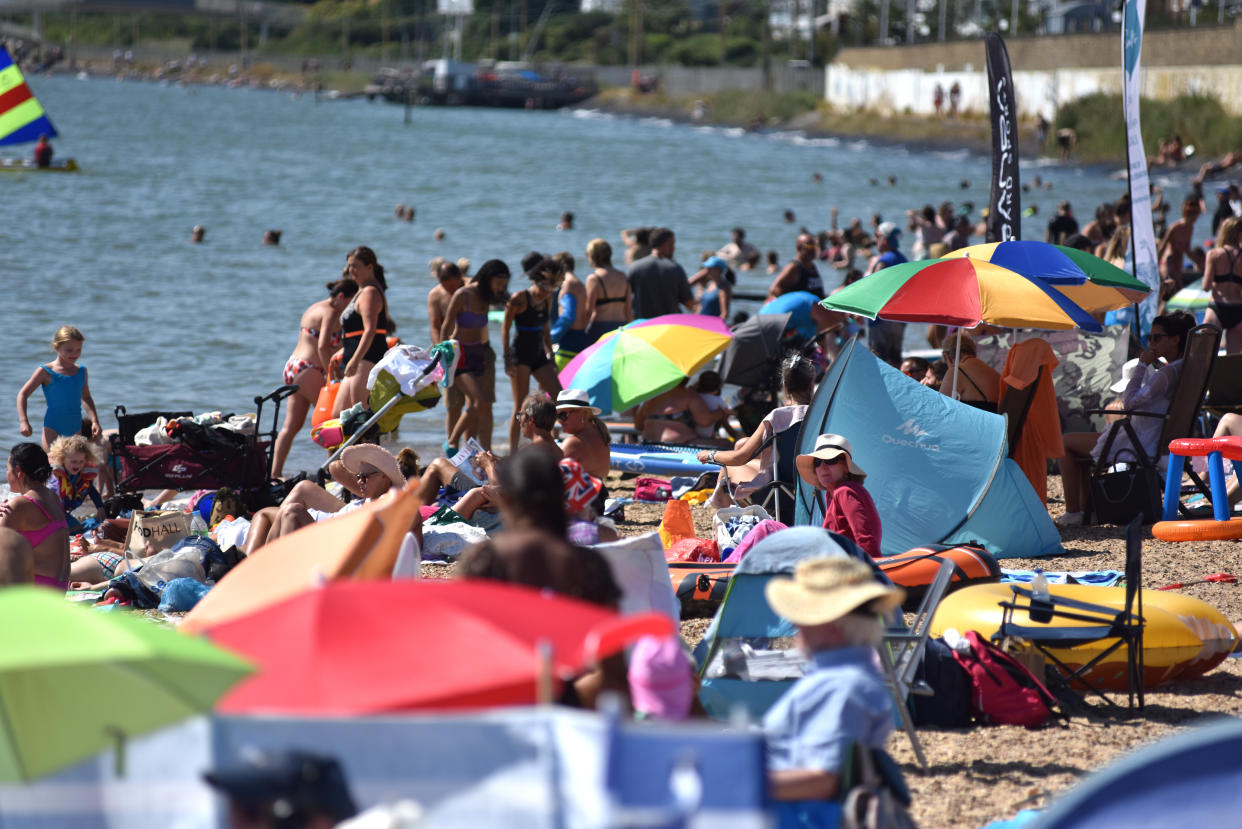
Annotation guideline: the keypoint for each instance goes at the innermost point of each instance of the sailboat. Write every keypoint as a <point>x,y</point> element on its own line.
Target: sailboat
<point>22,120</point>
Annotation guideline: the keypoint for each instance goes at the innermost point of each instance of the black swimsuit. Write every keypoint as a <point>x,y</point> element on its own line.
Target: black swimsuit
<point>1229,313</point>
<point>352,327</point>
<point>528,346</point>
<point>599,328</point>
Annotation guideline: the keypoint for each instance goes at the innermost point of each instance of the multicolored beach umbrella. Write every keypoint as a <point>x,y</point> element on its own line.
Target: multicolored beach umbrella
<point>22,118</point>
<point>1088,281</point>
<point>644,358</point>
<point>961,291</point>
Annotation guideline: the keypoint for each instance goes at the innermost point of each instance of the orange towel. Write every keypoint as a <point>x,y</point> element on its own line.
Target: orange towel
<point>1041,434</point>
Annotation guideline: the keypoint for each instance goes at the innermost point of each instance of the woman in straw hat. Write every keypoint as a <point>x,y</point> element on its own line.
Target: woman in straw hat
<point>848,508</point>
<point>366,470</point>
<point>842,699</point>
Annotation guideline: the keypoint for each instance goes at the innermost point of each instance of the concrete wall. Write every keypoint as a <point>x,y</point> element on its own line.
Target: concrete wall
<point>1040,91</point>
<point>1199,46</point>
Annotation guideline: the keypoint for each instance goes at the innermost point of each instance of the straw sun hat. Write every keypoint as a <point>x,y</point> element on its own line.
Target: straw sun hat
<point>355,457</point>
<point>827,447</point>
<point>825,589</point>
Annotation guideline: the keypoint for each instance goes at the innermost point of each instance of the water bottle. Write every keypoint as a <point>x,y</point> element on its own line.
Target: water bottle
<point>1041,600</point>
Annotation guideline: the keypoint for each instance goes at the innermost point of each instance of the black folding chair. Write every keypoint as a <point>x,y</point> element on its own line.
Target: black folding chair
<point>1039,619</point>
<point>1180,421</point>
<point>1015,405</point>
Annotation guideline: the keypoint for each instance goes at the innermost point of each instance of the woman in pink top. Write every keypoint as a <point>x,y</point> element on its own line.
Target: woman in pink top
<point>35,512</point>
<point>848,508</point>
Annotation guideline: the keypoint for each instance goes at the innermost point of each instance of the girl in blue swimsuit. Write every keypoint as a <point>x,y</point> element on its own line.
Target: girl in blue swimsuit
<point>66,389</point>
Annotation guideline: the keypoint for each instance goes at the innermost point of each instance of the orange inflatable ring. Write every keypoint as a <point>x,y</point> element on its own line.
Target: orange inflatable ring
<point>1202,530</point>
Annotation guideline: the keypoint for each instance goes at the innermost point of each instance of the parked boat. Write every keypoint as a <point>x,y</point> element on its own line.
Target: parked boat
<point>512,84</point>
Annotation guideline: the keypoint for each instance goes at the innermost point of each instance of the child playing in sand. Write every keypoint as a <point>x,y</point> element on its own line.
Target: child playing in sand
<point>66,389</point>
<point>74,471</point>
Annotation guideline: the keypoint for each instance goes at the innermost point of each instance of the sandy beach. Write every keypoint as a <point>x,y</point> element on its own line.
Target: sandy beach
<point>985,773</point>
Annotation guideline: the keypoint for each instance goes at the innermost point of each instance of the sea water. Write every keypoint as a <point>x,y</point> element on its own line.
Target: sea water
<point>175,325</point>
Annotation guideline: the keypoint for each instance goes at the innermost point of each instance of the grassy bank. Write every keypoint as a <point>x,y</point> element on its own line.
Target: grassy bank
<point>798,110</point>
<point>1100,125</point>
<point>1097,120</point>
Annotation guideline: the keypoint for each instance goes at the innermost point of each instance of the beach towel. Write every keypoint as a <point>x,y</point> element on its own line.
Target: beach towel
<point>1040,437</point>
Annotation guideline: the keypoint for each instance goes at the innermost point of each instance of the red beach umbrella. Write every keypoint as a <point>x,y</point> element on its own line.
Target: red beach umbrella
<point>369,647</point>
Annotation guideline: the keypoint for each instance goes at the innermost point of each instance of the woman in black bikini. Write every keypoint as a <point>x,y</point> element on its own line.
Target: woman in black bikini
<point>530,352</point>
<point>365,325</point>
<point>1222,278</point>
<point>978,384</point>
<point>609,304</point>
<point>318,336</point>
<point>466,322</point>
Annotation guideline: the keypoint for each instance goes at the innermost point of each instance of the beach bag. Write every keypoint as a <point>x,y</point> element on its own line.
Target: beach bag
<point>1003,691</point>
<point>676,524</point>
<point>652,489</point>
<point>694,549</point>
<point>325,402</point>
<point>733,524</point>
<point>878,798</point>
<point>162,528</point>
<point>1116,497</point>
<point>949,704</point>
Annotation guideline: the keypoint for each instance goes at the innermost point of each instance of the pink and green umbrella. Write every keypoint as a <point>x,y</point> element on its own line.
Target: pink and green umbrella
<point>636,362</point>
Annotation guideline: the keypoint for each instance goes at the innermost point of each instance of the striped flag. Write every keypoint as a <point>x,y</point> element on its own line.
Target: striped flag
<point>22,118</point>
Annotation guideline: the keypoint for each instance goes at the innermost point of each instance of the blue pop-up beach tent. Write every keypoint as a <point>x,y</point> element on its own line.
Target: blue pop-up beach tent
<point>937,469</point>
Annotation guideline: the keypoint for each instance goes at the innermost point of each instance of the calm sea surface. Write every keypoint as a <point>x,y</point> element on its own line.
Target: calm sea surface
<point>170,324</point>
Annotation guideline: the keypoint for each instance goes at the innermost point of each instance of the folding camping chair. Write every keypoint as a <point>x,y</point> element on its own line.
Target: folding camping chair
<point>1088,623</point>
<point>776,496</point>
<point>1179,421</point>
<point>1224,391</point>
<point>902,652</point>
<point>678,775</point>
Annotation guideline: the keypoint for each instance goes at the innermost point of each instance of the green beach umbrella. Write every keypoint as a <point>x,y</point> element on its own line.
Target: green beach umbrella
<point>74,681</point>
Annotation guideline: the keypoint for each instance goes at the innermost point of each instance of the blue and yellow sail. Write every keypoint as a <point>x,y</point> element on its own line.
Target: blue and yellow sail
<point>22,118</point>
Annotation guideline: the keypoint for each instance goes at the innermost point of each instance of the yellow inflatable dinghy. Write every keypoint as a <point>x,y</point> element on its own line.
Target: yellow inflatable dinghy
<point>1183,636</point>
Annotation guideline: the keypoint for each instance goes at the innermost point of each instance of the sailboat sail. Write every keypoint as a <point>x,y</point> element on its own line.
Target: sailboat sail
<point>22,118</point>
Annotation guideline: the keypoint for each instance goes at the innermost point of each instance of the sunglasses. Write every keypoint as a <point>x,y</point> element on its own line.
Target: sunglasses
<point>362,477</point>
<point>829,461</point>
<point>563,416</point>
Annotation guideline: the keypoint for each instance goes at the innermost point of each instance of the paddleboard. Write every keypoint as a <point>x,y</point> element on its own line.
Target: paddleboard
<point>649,459</point>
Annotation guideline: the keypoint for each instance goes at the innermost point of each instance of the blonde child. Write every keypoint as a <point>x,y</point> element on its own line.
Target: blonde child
<point>66,389</point>
<point>75,464</point>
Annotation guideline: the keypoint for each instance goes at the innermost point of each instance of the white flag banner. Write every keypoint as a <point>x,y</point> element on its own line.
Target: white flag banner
<point>1143,238</point>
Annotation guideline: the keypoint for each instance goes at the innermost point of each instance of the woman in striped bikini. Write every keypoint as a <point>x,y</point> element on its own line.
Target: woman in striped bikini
<point>319,335</point>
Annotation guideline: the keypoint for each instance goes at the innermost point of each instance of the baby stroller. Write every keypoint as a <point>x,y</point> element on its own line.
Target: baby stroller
<point>201,457</point>
<point>403,381</point>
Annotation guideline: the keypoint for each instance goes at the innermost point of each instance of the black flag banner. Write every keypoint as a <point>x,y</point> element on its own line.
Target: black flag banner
<point>1004,209</point>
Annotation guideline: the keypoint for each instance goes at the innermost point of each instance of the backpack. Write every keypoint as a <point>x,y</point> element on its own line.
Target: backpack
<point>652,489</point>
<point>1003,691</point>
<point>949,705</point>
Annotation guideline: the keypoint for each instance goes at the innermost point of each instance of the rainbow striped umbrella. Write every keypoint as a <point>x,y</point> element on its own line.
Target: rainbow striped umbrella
<point>644,358</point>
<point>961,291</point>
<point>1088,281</point>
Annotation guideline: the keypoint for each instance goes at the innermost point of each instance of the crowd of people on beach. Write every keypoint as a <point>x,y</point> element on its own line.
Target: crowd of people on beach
<point>548,495</point>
